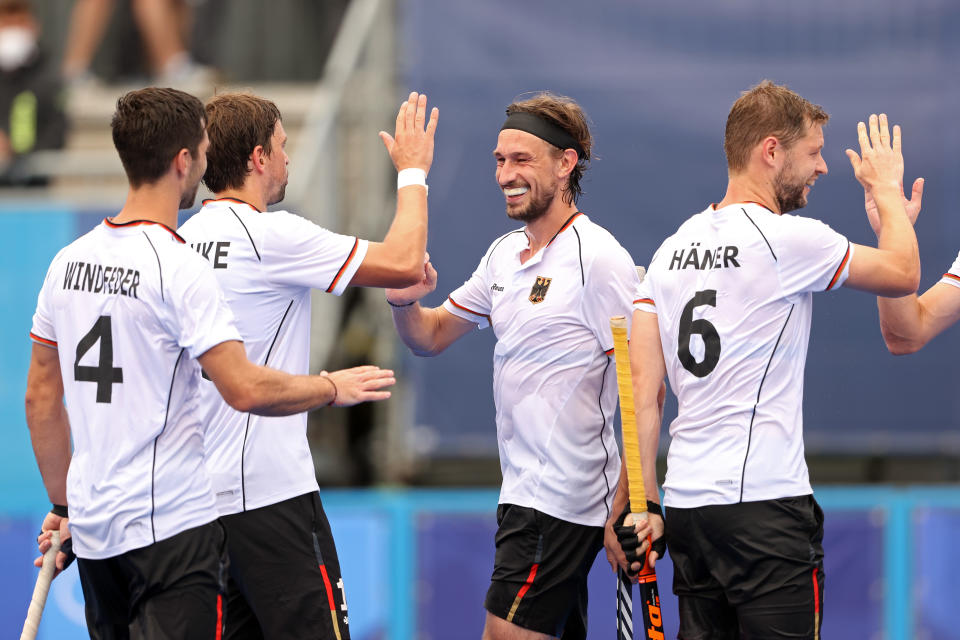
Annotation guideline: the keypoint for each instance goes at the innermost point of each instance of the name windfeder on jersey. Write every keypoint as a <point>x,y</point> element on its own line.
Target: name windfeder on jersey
<point>701,259</point>
<point>96,278</point>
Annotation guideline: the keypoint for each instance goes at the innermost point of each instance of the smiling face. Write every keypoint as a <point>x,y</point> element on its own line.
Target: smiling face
<point>277,161</point>
<point>802,165</point>
<point>527,173</point>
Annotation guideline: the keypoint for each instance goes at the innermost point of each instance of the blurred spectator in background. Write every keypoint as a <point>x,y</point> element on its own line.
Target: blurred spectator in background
<point>162,25</point>
<point>31,97</point>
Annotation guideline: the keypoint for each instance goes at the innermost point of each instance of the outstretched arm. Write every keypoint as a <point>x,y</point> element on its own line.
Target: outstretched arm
<point>251,388</point>
<point>893,267</point>
<point>910,322</point>
<point>426,332</point>
<point>398,260</point>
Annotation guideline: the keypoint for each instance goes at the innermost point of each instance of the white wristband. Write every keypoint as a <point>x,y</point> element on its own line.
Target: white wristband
<point>412,176</point>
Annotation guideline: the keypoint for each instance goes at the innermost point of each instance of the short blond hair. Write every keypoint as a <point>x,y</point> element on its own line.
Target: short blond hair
<point>767,109</point>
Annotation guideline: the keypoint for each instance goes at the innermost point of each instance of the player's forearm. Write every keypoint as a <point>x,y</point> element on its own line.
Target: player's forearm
<point>50,437</point>
<point>648,430</point>
<point>250,388</point>
<point>910,322</point>
<point>275,393</point>
<point>901,323</point>
<point>622,494</point>
<point>406,240</point>
<point>419,328</point>
<point>897,239</point>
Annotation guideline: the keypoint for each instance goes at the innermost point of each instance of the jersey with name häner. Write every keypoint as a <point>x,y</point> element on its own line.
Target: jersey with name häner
<point>554,382</point>
<point>267,263</point>
<point>129,308</point>
<point>732,291</point>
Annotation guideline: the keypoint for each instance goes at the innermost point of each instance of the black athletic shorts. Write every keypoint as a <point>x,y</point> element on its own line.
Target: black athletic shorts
<point>540,572</point>
<point>285,577</point>
<point>172,589</point>
<point>752,570</point>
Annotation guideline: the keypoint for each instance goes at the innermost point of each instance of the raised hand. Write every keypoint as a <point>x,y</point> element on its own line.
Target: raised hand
<point>413,293</point>
<point>361,384</point>
<point>880,163</point>
<point>912,205</point>
<point>411,145</point>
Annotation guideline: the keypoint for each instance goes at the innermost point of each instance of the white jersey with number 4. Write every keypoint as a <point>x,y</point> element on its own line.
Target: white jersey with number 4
<point>267,263</point>
<point>732,291</point>
<point>129,308</point>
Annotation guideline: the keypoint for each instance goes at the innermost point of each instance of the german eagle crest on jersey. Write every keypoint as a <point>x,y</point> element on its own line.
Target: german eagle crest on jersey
<point>539,290</point>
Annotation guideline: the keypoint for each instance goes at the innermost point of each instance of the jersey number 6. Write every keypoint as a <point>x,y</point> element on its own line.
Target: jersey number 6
<point>689,327</point>
<point>104,374</point>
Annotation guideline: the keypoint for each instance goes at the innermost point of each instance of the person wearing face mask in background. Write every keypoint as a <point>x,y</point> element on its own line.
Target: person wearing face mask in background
<point>32,116</point>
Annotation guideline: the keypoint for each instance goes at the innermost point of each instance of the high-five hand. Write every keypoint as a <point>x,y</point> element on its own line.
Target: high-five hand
<point>413,293</point>
<point>411,145</point>
<point>912,205</point>
<point>880,163</point>
<point>361,384</point>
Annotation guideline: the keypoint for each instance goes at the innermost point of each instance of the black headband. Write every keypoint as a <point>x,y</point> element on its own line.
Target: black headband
<point>543,129</point>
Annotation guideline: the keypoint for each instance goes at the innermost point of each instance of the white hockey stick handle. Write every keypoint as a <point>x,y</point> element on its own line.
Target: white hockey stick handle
<point>39,599</point>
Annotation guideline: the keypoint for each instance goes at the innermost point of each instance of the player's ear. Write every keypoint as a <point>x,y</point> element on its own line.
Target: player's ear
<point>182,161</point>
<point>567,162</point>
<point>770,151</point>
<point>258,159</point>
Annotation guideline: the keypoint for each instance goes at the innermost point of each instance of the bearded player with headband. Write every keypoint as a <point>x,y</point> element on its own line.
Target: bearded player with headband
<point>548,290</point>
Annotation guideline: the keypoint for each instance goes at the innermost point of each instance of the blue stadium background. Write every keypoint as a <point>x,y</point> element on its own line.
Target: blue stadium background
<point>657,81</point>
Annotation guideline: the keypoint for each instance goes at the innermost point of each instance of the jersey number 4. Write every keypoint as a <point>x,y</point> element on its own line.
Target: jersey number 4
<point>703,328</point>
<point>104,374</point>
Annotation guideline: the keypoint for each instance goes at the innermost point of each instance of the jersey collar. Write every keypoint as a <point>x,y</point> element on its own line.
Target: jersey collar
<point>713,205</point>
<point>565,226</point>
<point>538,256</point>
<point>133,223</point>
<point>233,200</point>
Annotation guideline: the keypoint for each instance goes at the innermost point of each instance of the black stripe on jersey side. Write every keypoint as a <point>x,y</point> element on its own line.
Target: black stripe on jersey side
<point>603,423</point>
<point>497,244</point>
<point>159,266</point>
<point>153,469</point>
<point>252,243</point>
<point>743,469</point>
<point>246,430</point>
<point>761,233</point>
<point>583,278</point>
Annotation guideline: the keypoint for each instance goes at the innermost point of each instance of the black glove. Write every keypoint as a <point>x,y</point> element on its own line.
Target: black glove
<point>629,541</point>
<point>67,548</point>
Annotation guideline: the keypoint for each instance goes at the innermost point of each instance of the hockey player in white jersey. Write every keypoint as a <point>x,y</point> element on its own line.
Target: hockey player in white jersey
<point>724,313</point>
<point>126,316</point>
<point>268,263</point>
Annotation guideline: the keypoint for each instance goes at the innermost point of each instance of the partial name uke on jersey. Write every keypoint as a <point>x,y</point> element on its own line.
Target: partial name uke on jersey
<point>218,249</point>
<point>96,278</point>
<point>701,259</point>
